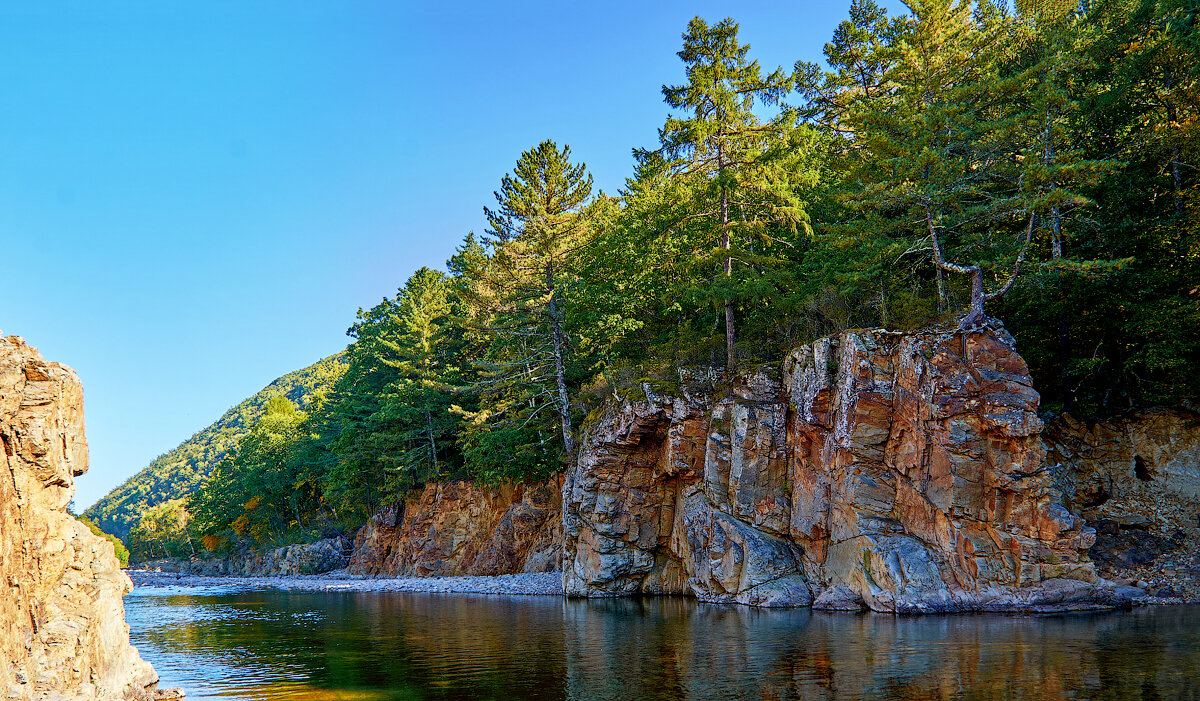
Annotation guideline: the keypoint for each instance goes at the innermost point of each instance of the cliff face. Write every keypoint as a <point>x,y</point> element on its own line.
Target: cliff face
<point>62,624</point>
<point>459,528</point>
<point>900,471</point>
<point>445,529</point>
<point>1136,479</point>
<point>1151,452</point>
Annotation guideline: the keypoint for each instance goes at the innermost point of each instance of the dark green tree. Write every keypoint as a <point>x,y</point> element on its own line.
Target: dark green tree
<point>520,300</point>
<point>736,175</point>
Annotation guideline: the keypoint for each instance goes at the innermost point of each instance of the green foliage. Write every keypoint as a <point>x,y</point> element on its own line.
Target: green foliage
<point>519,299</point>
<point>734,180</point>
<point>119,548</point>
<point>163,531</point>
<point>253,491</point>
<point>1041,160</point>
<point>388,425</point>
<point>181,471</point>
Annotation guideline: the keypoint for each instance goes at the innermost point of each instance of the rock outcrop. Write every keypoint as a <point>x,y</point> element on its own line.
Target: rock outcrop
<point>62,624</point>
<point>899,471</point>
<point>444,529</point>
<point>460,528</point>
<point>1136,479</point>
<point>1153,452</point>
<point>322,556</point>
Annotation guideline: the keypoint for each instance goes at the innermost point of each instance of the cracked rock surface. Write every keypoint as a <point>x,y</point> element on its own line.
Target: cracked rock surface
<point>459,528</point>
<point>62,624</point>
<point>901,472</point>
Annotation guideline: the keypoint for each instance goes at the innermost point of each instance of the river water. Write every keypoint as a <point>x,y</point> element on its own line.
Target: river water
<point>268,645</point>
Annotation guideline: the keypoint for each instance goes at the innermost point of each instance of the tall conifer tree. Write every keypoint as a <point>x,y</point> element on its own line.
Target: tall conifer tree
<point>740,173</point>
<point>520,293</point>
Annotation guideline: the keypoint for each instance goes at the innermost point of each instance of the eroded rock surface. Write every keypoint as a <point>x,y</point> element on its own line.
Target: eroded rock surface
<point>1136,479</point>
<point>1149,452</point>
<point>900,471</point>
<point>460,528</point>
<point>322,556</point>
<point>62,624</point>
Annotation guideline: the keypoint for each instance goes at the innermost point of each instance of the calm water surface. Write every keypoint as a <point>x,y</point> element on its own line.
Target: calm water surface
<point>227,644</point>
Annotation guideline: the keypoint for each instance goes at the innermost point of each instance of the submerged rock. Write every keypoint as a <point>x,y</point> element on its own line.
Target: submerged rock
<point>62,624</point>
<point>900,471</point>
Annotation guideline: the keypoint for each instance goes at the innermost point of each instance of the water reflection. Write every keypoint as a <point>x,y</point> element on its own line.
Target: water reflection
<point>278,645</point>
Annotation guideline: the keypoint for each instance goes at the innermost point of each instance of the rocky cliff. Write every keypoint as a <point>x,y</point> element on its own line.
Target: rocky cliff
<point>459,528</point>
<point>62,624</point>
<point>443,529</point>
<point>1150,452</point>
<point>899,471</point>
<point>1136,480</point>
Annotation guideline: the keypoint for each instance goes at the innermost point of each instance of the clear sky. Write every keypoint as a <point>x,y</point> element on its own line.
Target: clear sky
<point>195,197</point>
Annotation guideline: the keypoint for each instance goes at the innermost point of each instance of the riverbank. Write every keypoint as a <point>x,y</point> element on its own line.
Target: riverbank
<point>541,584</point>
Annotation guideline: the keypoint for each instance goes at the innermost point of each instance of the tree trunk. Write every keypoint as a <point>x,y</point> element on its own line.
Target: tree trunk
<point>560,369</point>
<point>975,314</point>
<point>725,243</point>
<point>1177,182</point>
<point>1176,176</point>
<point>941,289</point>
<point>432,444</point>
<point>1056,253</point>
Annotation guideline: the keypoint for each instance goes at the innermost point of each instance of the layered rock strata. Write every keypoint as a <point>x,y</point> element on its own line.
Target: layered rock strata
<point>460,528</point>
<point>898,471</point>
<point>62,624</point>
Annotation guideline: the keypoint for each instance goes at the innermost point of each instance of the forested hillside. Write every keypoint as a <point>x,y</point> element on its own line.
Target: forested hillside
<point>1036,164</point>
<point>177,473</point>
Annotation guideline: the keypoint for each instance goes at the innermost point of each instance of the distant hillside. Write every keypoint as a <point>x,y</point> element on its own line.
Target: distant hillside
<point>180,471</point>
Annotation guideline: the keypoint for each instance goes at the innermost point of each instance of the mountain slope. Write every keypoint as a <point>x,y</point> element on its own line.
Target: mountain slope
<point>180,471</point>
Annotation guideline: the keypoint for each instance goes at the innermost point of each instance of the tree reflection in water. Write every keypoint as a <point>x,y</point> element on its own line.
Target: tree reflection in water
<point>363,647</point>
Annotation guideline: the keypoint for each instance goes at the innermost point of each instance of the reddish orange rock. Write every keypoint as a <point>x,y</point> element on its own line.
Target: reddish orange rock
<point>459,528</point>
<point>900,471</point>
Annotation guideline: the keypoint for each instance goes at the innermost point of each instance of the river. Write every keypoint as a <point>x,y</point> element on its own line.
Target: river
<point>268,645</point>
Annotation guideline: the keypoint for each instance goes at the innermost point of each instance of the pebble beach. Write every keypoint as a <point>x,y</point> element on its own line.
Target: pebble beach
<point>541,584</point>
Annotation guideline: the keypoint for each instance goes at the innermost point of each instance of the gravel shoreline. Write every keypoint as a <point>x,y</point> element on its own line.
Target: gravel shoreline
<point>542,584</point>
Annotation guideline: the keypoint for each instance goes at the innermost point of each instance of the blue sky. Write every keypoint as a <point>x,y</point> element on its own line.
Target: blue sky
<point>196,197</point>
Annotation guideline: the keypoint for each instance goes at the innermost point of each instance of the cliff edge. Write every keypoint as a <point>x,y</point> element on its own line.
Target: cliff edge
<point>62,624</point>
<point>900,472</point>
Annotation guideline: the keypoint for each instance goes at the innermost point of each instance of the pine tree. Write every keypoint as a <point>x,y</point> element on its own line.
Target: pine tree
<point>938,147</point>
<point>414,425</point>
<point>519,293</point>
<point>740,174</point>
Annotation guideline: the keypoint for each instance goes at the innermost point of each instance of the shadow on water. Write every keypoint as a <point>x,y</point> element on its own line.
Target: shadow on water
<point>367,646</point>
